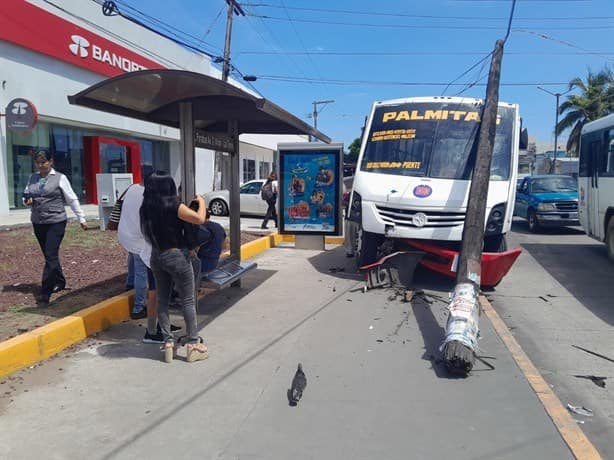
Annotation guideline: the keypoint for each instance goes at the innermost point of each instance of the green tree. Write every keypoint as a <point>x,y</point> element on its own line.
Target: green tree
<point>596,100</point>
<point>353,150</point>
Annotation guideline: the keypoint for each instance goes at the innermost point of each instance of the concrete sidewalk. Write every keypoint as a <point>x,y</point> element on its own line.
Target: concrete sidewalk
<point>375,386</point>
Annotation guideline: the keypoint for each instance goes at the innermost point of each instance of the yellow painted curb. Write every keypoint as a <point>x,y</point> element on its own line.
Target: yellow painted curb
<point>41,343</point>
<point>573,436</point>
<point>34,346</point>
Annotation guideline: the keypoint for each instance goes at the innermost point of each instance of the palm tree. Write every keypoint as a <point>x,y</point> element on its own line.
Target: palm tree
<point>595,101</point>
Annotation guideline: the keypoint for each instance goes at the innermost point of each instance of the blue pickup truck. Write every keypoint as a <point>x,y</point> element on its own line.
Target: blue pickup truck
<point>547,201</point>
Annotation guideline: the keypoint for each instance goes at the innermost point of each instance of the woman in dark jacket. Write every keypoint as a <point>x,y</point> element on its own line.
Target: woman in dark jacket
<point>163,219</point>
<point>47,192</point>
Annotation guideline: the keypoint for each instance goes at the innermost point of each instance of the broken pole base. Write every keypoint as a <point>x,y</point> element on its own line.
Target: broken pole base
<point>458,358</point>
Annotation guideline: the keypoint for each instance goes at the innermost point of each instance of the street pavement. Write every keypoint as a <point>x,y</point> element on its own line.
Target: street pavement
<point>558,296</point>
<point>375,386</point>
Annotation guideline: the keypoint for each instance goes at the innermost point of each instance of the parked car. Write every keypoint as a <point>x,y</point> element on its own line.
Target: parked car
<point>547,201</point>
<point>218,201</point>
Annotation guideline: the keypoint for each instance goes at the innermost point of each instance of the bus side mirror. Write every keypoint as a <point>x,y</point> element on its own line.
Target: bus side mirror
<point>524,139</point>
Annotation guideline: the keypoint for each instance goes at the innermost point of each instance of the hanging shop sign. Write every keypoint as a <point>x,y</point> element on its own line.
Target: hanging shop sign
<point>21,115</point>
<point>310,181</point>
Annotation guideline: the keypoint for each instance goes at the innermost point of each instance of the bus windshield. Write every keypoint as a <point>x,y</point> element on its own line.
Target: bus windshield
<point>434,139</point>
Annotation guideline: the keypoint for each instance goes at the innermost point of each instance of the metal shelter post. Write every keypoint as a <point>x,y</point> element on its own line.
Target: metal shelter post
<point>235,215</point>
<point>186,129</point>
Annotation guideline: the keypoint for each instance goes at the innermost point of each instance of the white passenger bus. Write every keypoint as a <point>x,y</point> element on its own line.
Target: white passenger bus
<point>414,170</point>
<point>596,181</point>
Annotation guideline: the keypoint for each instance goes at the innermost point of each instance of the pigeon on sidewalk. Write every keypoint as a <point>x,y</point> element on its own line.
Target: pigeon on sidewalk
<point>299,382</point>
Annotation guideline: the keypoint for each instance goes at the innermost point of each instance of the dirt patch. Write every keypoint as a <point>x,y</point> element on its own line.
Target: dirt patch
<point>94,265</point>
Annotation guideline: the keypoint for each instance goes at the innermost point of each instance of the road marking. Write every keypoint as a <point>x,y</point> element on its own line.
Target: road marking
<point>575,438</point>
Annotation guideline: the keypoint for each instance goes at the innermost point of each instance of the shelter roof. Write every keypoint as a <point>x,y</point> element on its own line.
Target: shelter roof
<point>155,95</point>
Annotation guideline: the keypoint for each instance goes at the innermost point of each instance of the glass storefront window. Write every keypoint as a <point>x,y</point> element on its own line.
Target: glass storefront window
<point>265,169</point>
<point>249,169</point>
<point>67,146</point>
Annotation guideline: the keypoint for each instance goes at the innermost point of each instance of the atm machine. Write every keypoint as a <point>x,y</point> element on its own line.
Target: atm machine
<point>110,188</point>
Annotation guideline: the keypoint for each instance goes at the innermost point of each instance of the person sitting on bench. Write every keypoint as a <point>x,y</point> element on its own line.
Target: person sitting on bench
<point>209,253</point>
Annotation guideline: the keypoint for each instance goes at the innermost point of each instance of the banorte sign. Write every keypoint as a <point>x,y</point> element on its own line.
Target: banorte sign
<point>21,115</point>
<point>82,48</point>
<point>21,23</point>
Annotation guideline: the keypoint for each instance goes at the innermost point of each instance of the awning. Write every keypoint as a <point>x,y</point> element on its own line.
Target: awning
<point>155,95</point>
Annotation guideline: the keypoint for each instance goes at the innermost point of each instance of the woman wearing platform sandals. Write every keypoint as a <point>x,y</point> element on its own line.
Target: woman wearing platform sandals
<point>162,218</point>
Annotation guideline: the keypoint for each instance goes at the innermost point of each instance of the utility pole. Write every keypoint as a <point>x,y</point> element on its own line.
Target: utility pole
<point>556,123</point>
<point>221,167</point>
<point>233,8</point>
<point>462,326</point>
<point>315,112</point>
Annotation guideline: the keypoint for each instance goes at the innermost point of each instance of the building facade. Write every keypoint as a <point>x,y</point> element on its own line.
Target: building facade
<point>49,50</point>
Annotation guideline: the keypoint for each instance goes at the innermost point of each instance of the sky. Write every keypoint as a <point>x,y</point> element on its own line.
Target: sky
<point>355,52</point>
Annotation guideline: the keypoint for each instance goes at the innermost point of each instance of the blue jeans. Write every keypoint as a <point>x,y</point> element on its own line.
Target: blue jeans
<point>174,268</point>
<point>130,276</point>
<point>140,283</point>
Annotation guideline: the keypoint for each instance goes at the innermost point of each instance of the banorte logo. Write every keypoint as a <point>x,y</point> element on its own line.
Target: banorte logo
<point>19,108</point>
<point>81,47</point>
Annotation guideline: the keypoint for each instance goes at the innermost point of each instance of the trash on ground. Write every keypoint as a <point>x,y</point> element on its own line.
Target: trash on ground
<point>336,269</point>
<point>599,381</point>
<point>594,353</point>
<point>580,410</point>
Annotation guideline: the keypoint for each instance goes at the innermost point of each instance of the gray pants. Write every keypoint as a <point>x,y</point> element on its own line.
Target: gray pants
<point>174,268</point>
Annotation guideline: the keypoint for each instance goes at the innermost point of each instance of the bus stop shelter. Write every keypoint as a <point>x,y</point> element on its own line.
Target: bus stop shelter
<point>208,112</point>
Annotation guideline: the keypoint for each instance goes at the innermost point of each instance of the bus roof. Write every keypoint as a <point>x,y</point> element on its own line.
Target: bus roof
<point>450,99</point>
<point>598,124</point>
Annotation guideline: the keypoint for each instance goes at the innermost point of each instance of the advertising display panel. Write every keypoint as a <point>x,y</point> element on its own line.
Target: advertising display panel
<point>310,181</point>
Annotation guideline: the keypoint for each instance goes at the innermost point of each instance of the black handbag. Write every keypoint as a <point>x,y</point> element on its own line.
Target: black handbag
<point>116,213</point>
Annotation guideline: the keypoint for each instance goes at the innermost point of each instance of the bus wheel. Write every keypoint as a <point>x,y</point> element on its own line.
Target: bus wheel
<point>366,247</point>
<point>533,223</point>
<point>495,243</point>
<point>609,239</point>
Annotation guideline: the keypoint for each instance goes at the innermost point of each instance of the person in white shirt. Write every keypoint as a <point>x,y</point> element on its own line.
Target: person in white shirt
<point>130,236</point>
<point>47,192</point>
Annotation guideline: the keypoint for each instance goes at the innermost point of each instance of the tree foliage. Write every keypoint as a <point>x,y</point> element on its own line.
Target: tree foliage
<point>353,151</point>
<point>596,100</point>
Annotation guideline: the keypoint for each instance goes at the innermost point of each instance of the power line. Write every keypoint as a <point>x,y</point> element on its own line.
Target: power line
<point>426,16</point>
<point>421,53</point>
<point>300,40</point>
<point>413,26</point>
<point>290,79</point>
<point>562,42</point>
<point>275,51</point>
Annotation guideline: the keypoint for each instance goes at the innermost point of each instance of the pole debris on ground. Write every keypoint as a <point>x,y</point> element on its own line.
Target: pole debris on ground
<point>462,329</point>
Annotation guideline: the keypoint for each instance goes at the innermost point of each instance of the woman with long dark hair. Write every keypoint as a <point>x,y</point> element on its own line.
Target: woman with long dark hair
<point>163,217</point>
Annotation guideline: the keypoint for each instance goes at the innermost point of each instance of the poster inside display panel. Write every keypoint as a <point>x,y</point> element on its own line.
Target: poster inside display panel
<point>309,187</point>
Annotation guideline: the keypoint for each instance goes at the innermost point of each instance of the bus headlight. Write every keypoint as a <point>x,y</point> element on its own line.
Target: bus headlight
<point>546,207</point>
<point>494,225</point>
<point>355,213</point>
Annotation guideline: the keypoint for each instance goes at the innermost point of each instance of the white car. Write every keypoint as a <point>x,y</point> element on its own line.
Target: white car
<point>218,201</point>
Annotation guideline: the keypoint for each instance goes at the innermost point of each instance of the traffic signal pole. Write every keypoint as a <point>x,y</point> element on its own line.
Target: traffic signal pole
<point>462,327</point>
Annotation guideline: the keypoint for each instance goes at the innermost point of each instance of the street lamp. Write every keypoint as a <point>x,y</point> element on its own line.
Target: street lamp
<point>556,122</point>
<point>315,113</point>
